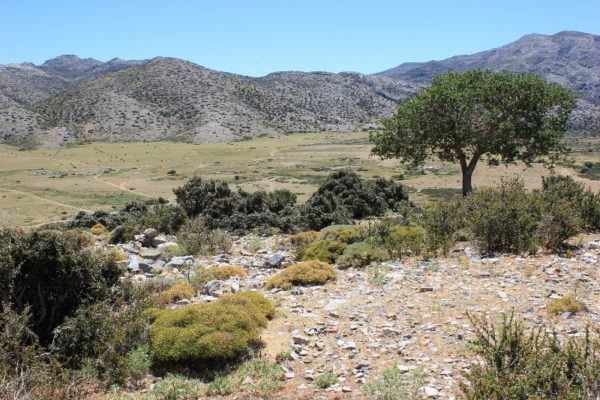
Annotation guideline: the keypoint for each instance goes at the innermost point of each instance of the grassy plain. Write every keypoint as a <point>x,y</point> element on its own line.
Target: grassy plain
<point>39,186</point>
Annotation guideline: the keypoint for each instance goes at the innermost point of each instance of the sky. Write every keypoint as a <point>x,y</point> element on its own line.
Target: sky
<point>258,37</point>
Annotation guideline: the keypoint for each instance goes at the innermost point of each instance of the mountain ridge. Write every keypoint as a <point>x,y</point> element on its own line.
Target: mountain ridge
<point>69,98</point>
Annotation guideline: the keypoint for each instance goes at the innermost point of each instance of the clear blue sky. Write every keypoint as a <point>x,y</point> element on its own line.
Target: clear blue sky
<point>258,37</point>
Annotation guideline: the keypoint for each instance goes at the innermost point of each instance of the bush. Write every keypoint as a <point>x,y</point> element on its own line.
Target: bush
<point>221,273</point>
<point>403,240</point>
<point>504,218</point>
<point>344,195</point>
<point>197,239</point>
<point>54,273</point>
<point>559,222</point>
<point>98,229</point>
<point>361,254</point>
<point>164,218</point>
<point>565,304</point>
<point>584,203</point>
<point>443,221</point>
<point>521,364</point>
<point>327,250</point>
<point>201,334</point>
<point>305,273</point>
<point>344,233</point>
<point>172,295</point>
<point>394,384</point>
<point>326,380</point>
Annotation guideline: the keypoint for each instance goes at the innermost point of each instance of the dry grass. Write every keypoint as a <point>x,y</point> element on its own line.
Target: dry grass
<point>565,304</point>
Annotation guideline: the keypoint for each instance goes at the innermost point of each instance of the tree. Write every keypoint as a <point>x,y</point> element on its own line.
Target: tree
<point>464,117</point>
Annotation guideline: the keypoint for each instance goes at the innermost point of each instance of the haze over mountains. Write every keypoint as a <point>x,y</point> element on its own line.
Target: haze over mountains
<point>70,99</point>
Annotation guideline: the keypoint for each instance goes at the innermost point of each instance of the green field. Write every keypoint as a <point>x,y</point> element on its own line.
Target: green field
<point>39,186</point>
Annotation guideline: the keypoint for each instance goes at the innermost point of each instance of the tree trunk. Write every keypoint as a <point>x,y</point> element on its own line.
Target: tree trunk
<point>467,187</point>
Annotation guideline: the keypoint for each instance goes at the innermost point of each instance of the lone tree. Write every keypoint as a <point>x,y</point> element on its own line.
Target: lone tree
<point>464,117</point>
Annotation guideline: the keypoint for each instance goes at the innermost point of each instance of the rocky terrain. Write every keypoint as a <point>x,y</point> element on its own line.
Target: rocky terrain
<point>71,99</point>
<point>407,314</point>
<point>569,58</point>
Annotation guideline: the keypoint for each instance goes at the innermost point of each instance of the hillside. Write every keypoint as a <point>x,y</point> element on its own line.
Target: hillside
<point>72,99</point>
<point>569,58</point>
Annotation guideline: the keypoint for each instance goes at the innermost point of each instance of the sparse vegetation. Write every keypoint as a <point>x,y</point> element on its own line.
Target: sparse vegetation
<point>393,385</point>
<point>564,304</point>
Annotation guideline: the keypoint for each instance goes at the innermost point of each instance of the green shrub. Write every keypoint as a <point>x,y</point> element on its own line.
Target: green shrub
<point>567,303</point>
<point>505,218</point>
<point>361,254</point>
<point>443,220</point>
<point>534,364</point>
<point>584,202</point>
<point>266,376</point>
<point>394,385</point>
<point>305,273</point>
<point>559,222</point>
<point>344,233</point>
<point>54,273</point>
<point>398,241</point>
<point>172,295</point>
<point>222,272</point>
<point>197,239</point>
<point>327,250</point>
<point>344,195</point>
<point>325,380</point>
<point>201,334</point>
<point>174,387</point>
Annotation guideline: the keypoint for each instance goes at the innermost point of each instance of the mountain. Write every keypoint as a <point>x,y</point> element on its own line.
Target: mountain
<point>168,98</point>
<point>569,58</point>
<point>72,99</point>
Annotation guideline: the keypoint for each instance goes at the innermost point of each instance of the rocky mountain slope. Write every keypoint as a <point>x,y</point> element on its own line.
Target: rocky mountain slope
<point>73,99</point>
<point>569,58</point>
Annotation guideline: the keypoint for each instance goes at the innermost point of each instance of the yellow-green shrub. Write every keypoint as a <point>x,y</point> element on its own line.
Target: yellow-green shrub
<point>361,254</point>
<point>344,233</point>
<point>565,304</point>
<point>221,273</point>
<point>327,250</point>
<point>215,332</point>
<point>98,229</point>
<point>402,240</point>
<point>178,291</point>
<point>311,272</point>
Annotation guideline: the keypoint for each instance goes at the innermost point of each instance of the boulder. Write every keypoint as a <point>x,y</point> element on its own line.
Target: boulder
<point>150,233</point>
<point>275,261</point>
<point>151,254</point>
<point>212,288</point>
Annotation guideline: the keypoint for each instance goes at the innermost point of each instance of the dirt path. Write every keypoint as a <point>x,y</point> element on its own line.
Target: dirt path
<point>47,200</point>
<point>121,186</point>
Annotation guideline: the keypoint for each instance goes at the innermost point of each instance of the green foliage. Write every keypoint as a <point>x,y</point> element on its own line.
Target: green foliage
<point>325,380</point>
<point>305,273</point>
<point>266,377</point>
<point>403,240</point>
<point>567,303</point>
<point>443,221</point>
<point>172,295</point>
<point>222,272</point>
<point>344,195</point>
<point>361,254</point>
<point>504,218</point>
<point>327,250</point>
<point>584,202</point>
<point>462,117</point>
<point>347,234</point>
<point>164,218</point>
<point>534,364</point>
<point>174,387</point>
<point>394,385</point>
<point>54,273</point>
<point>197,239</point>
<point>201,334</point>
<point>238,211</point>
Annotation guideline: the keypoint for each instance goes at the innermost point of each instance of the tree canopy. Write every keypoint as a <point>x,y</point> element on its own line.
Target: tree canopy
<point>465,117</point>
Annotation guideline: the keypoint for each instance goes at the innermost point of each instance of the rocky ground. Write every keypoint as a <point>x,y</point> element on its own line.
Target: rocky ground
<point>409,314</point>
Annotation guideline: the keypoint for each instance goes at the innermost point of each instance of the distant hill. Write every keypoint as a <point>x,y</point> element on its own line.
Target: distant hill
<point>72,99</point>
<point>569,58</point>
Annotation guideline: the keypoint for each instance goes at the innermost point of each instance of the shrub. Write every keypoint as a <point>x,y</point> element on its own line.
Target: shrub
<point>504,218</point>
<point>204,333</point>
<point>325,380</point>
<point>443,220</point>
<point>565,304</point>
<point>394,384</point>
<point>178,291</point>
<point>327,250</point>
<point>398,240</point>
<point>344,195</point>
<point>221,273</point>
<point>361,254</point>
<point>98,229</point>
<point>344,233</point>
<point>305,273</point>
<point>175,387</point>
<point>164,218</point>
<point>559,222</point>
<point>584,203</point>
<point>521,364</point>
<point>266,377</point>
<point>254,301</point>
<point>53,274</point>
<point>197,239</point>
